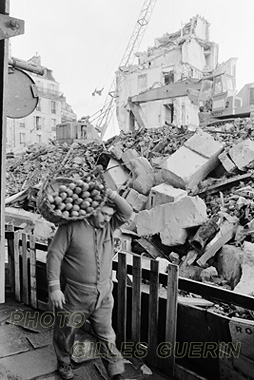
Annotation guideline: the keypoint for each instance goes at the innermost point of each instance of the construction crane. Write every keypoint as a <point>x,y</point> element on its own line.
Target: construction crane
<point>104,115</point>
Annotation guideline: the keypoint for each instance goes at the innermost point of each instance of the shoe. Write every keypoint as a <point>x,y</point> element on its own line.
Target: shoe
<point>118,377</point>
<point>65,372</point>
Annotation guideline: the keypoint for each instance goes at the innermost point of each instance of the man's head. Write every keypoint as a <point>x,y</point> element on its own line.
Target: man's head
<point>103,215</point>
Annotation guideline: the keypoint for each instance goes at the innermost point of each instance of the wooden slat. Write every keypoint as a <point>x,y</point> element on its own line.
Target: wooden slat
<point>210,292</point>
<point>171,315</point>
<point>10,244</point>
<point>153,313</point>
<point>136,300</point>
<point>16,265</point>
<point>25,285</point>
<point>216,294</point>
<point>122,299</point>
<point>33,288</point>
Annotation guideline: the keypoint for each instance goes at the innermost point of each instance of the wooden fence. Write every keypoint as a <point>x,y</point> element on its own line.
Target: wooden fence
<point>139,315</point>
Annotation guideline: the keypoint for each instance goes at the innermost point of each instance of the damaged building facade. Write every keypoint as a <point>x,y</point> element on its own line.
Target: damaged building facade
<point>40,125</point>
<point>187,53</point>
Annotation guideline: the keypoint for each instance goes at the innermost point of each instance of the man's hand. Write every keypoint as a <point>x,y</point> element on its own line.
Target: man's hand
<point>57,298</point>
<point>111,194</point>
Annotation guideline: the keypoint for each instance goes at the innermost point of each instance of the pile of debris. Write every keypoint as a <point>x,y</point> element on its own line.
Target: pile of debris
<point>197,186</point>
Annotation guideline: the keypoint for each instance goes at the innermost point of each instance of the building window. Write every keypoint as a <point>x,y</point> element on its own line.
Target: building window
<point>52,89</point>
<point>22,125</point>
<point>169,77</point>
<point>142,81</point>
<point>53,125</point>
<point>38,122</point>
<point>53,107</point>
<point>22,138</point>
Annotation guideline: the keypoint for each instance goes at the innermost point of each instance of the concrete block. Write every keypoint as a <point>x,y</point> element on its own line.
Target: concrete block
<point>156,162</point>
<point>165,193</point>
<point>186,168</point>
<point>116,151</point>
<point>171,220</point>
<point>158,178</point>
<point>203,144</point>
<point>141,166</point>
<point>116,175</point>
<point>243,154</point>
<point>246,283</point>
<point>229,260</point>
<point>143,183</point>
<point>129,155</point>
<point>136,200</point>
<point>227,163</point>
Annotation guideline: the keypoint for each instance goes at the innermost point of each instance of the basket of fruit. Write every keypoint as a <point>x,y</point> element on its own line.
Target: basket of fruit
<point>62,200</point>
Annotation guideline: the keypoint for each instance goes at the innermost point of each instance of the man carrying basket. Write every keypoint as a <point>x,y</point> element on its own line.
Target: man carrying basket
<point>79,267</point>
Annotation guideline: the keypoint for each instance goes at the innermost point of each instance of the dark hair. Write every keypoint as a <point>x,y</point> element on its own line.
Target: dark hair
<point>109,203</point>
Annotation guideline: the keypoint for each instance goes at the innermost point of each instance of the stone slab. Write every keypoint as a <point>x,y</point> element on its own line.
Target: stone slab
<point>191,163</point>
<point>136,200</point>
<point>165,193</point>
<point>242,154</point>
<point>14,347</point>
<point>41,340</point>
<point>5,314</point>
<point>172,219</point>
<point>129,155</point>
<point>227,163</point>
<point>185,169</point>
<point>29,365</point>
<point>32,320</point>
<point>246,283</point>
<point>204,144</point>
<point>115,175</point>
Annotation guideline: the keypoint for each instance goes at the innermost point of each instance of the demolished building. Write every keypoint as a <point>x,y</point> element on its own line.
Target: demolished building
<point>187,53</point>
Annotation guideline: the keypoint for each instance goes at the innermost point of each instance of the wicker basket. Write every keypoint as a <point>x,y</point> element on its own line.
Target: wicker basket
<point>51,189</point>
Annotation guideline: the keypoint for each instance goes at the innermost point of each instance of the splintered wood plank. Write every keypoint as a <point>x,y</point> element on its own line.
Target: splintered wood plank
<point>153,313</point>
<point>136,299</point>
<point>25,285</point>
<point>171,314</point>
<point>16,265</point>
<point>33,284</point>
<point>122,299</point>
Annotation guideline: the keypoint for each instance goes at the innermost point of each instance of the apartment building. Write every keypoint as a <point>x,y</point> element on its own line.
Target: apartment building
<point>40,125</point>
<point>187,53</point>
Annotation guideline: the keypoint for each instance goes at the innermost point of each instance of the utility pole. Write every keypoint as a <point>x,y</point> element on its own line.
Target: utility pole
<point>9,27</point>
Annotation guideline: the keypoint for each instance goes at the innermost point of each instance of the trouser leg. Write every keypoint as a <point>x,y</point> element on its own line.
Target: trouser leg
<point>101,321</point>
<point>63,338</point>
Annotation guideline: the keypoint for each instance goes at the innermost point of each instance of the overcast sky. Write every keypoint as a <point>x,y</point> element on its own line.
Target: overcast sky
<point>83,41</point>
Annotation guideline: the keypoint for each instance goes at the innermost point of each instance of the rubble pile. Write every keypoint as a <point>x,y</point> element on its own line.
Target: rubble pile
<point>233,131</point>
<point>152,142</point>
<point>39,162</point>
<point>192,193</point>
